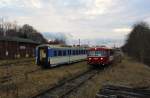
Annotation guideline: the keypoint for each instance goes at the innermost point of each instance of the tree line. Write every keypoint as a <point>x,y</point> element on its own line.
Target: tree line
<point>138,43</point>
<point>26,31</point>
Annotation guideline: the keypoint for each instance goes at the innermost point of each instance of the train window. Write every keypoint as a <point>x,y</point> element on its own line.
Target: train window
<point>81,51</point>
<point>64,53</point>
<point>84,52</point>
<point>55,53</point>
<point>91,53</point>
<point>74,52</point>
<point>97,53</point>
<point>68,52</point>
<point>59,53</point>
<point>100,53</point>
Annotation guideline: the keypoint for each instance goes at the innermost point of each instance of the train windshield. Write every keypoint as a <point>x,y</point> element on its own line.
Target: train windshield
<point>97,53</point>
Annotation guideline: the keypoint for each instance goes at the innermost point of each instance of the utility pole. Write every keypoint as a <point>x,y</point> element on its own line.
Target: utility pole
<point>4,27</point>
<point>114,46</point>
<point>79,42</point>
<point>89,43</point>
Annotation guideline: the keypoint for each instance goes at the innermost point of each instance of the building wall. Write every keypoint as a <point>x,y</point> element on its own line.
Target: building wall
<point>12,50</point>
<point>1,49</point>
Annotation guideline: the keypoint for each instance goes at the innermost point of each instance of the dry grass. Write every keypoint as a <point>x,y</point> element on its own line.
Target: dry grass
<point>15,60</point>
<point>43,79</point>
<point>17,69</point>
<point>128,73</point>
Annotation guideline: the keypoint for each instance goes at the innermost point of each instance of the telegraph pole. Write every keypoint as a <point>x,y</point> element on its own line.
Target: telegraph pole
<point>4,27</point>
<point>79,42</point>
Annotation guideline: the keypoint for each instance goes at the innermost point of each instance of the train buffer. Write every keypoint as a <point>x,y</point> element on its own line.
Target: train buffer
<point>117,91</point>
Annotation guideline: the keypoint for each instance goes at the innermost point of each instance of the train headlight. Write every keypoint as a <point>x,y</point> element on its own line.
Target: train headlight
<point>90,58</point>
<point>101,58</point>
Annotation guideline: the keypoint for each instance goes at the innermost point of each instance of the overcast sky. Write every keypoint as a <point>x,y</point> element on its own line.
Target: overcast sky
<point>85,19</point>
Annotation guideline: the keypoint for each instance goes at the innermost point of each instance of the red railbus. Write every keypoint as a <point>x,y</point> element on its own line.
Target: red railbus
<point>100,56</point>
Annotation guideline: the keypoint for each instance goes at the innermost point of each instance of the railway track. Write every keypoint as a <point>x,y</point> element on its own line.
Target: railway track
<point>120,91</point>
<point>63,89</point>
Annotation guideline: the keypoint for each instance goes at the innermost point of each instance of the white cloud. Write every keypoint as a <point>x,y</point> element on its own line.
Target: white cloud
<point>36,3</point>
<point>4,3</point>
<point>32,4</point>
<point>21,3</point>
<point>99,7</point>
<point>122,30</point>
<point>84,19</point>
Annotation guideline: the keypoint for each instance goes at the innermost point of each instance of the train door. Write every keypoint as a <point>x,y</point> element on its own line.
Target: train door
<point>43,56</point>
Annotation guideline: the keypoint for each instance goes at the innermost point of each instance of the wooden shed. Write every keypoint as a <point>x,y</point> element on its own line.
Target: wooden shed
<point>13,47</point>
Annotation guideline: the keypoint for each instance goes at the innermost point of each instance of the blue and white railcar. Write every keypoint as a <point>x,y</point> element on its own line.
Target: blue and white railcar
<point>52,55</point>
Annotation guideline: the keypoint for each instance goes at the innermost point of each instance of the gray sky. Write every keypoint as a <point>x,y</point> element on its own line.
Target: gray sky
<point>93,20</point>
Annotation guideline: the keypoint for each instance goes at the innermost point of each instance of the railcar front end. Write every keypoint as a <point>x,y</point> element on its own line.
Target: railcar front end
<point>100,56</point>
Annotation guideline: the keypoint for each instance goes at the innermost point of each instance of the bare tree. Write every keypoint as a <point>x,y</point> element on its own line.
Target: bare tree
<point>137,44</point>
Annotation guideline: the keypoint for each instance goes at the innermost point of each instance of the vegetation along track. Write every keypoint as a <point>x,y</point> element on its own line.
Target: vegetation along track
<point>17,62</point>
<point>66,87</point>
<point>9,78</point>
<point>8,69</point>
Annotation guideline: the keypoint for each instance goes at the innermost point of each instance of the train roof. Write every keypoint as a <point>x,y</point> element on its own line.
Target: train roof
<point>99,48</point>
<point>59,46</point>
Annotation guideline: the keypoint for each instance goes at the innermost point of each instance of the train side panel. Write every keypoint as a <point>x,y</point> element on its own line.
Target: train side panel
<point>75,58</point>
<point>58,60</point>
<point>66,59</point>
<point>47,56</point>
